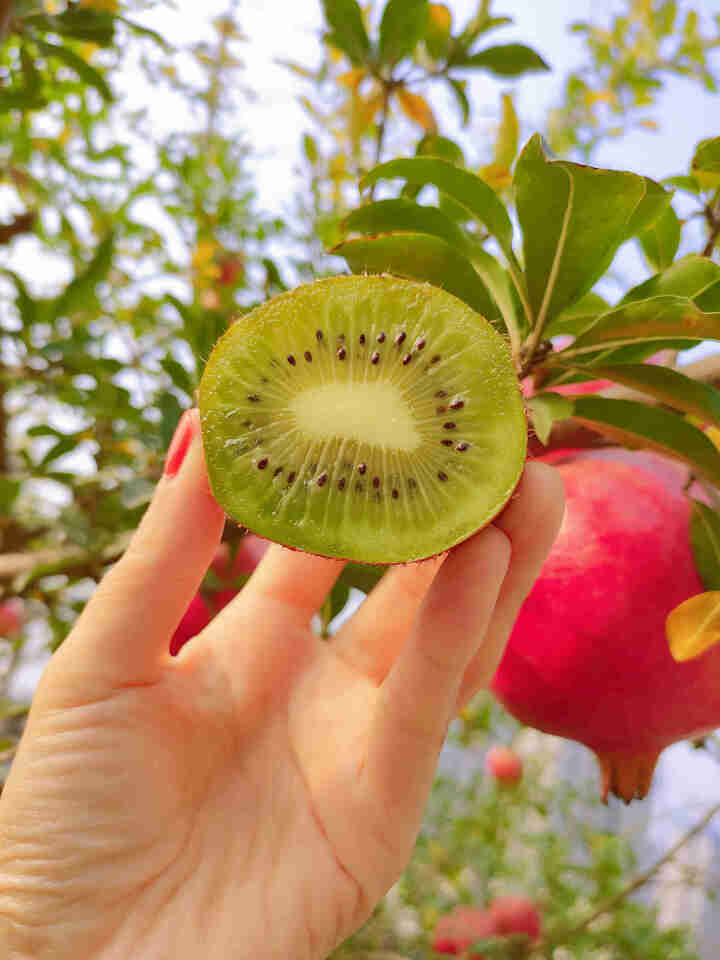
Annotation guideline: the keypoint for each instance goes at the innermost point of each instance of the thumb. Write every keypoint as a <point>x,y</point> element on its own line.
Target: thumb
<point>123,636</point>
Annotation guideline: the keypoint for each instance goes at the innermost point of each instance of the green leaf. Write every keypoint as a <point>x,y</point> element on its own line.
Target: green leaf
<point>574,218</point>
<point>637,425</point>
<point>689,184</point>
<point>386,216</point>
<point>345,20</point>
<point>465,188</point>
<point>692,277</point>
<point>577,318</point>
<point>705,165</point>
<point>657,318</point>
<point>80,23</point>
<point>28,96</point>
<point>705,541</point>
<point>81,67</point>
<point>501,287</point>
<point>545,409</point>
<point>459,91</point>
<point>660,242</point>
<point>178,374</point>
<point>9,489</point>
<point>668,386</point>
<point>421,257</point>
<point>402,26</point>
<point>82,287</point>
<point>505,60</point>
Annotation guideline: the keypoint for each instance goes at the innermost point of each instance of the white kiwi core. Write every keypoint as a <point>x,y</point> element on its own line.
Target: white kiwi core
<point>374,413</point>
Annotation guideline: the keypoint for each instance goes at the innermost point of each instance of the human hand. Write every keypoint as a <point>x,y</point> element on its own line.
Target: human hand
<point>256,795</point>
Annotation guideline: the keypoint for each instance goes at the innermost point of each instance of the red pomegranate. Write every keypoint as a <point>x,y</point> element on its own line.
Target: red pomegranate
<point>206,604</point>
<point>12,616</point>
<point>460,928</point>
<point>196,618</point>
<point>516,914</point>
<point>588,657</point>
<point>504,765</point>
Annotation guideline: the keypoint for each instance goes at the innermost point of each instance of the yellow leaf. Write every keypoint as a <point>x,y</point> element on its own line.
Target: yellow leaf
<point>203,253</point>
<point>496,176</point>
<point>337,168</point>
<point>693,627</point>
<point>110,5</point>
<point>53,7</point>
<point>417,109</point>
<point>440,17</point>
<point>508,132</point>
<point>352,78</point>
<point>713,433</point>
<point>599,96</point>
<point>364,110</point>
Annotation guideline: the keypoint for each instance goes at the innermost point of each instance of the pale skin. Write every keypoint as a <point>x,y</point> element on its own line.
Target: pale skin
<point>255,796</point>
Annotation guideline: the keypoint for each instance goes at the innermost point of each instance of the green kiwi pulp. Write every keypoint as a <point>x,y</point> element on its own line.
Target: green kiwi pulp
<point>368,418</point>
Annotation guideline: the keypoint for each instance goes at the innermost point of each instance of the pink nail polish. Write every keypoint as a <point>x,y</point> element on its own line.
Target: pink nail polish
<point>180,444</point>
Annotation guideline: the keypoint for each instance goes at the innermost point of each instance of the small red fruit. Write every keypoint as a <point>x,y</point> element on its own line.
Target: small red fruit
<point>196,618</point>
<point>516,914</point>
<point>504,765</point>
<point>12,616</point>
<point>460,928</point>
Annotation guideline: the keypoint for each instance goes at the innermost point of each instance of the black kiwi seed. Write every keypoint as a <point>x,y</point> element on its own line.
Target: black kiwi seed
<point>291,477</point>
<point>291,360</point>
<point>381,338</point>
<point>362,467</point>
<point>278,471</point>
<point>375,357</point>
<point>442,476</point>
<point>400,338</point>
<point>420,344</point>
<point>462,447</point>
<point>440,393</point>
<point>308,356</point>
<point>395,494</point>
<point>449,426</point>
<point>318,335</point>
<point>440,409</point>
<point>376,482</point>
<point>406,359</point>
<point>436,358</point>
<point>262,463</point>
<point>341,353</point>
<point>341,483</point>
<point>446,443</point>
<point>322,479</point>
<point>457,404</point>
<point>362,338</point>
<point>254,398</point>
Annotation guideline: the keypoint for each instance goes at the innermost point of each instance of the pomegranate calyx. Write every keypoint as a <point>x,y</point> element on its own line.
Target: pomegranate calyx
<point>627,775</point>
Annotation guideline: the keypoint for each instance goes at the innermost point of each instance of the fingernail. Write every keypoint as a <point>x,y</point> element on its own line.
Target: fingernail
<point>180,444</point>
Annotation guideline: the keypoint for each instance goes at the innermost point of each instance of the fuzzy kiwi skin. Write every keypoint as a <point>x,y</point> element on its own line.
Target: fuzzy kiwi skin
<point>289,308</point>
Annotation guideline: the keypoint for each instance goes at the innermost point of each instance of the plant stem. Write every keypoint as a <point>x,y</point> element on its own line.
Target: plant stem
<point>712,215</point>
<point>6,9</point>
<point>382,127</point>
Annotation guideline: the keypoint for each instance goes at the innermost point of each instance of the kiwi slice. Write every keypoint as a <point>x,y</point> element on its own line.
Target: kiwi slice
<point>369,418</point>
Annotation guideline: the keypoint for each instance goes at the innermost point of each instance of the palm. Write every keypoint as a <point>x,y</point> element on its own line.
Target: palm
<point>256,795</point>
<point>170,795</point>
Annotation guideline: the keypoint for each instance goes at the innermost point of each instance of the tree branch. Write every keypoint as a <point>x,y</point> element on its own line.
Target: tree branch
<point>642,878</point>
<point>6,9</point>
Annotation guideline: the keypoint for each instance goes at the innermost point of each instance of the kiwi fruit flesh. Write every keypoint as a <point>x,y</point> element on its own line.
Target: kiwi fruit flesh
<point>369,418</point>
